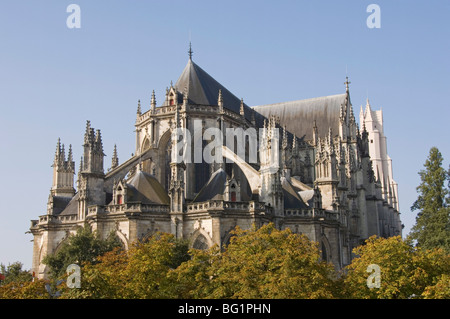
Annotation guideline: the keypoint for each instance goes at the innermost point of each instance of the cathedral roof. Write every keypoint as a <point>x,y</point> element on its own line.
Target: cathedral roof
<point>299,116</point>
<point>145,188</point>
<point>291,197</point>
<point>214,187</point>
<point>72,206</point>
<point>203,89</point>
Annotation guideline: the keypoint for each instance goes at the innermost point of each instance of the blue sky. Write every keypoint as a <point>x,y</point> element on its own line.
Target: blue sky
<point>53,79</point>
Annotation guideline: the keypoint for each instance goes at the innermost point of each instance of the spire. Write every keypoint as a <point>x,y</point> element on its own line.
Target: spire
<point>284,141</point>
<point>81,165</point>
<point>294,145</point>
<point>190,51</point>
<point>153,102</point>
<point>70,162</point>
<point>58,151</point>
<point>315,133</point>
<point>242,111</point>
<point>70,155</point>
<point>139,111</point>
<point>88,132</point>
<point>220,99</point>
<point>346,84</point>
<point>62,157</point>
<point>98,141</point>
<point>115,159</point>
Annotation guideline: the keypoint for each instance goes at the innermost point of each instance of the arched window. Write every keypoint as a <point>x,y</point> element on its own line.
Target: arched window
<point>201,243</point>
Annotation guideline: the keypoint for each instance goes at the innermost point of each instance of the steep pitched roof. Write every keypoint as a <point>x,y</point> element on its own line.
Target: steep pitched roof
<point>203,89</point>
<point>145,188</point>
<point>299,116</point>
<point>215,186</point>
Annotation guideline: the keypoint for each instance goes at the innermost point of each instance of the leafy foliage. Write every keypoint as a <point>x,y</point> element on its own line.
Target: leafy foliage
<point>84,246</point>
<point>141,272</point>
<point>14,273</point>
<point>406,272</point>
<point>259,263</point>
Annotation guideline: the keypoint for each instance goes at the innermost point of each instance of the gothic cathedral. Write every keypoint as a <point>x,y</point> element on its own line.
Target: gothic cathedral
<point>333,181</point>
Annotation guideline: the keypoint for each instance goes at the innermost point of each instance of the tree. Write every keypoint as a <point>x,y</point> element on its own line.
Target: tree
<point>258,263</point>
<point>24,290</point>
<point>84,246</point>
<point>14,273</point>
<point>141,272</point>
<point>432,228</point>
<point>405,271</point>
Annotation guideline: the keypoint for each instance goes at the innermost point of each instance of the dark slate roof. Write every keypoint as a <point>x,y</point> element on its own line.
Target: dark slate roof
<point>145,188</point>
<point>72,207</point>
<point>215,186</point>
<point>291,197</point>
<point>299,116</point>
<point>59,204</point>
<point>203,89</point>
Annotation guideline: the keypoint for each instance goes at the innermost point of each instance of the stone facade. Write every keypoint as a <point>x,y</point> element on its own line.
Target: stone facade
<point>325,185</point>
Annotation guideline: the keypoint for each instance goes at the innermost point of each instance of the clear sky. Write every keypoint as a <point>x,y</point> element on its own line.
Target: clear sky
<point>53,79</point>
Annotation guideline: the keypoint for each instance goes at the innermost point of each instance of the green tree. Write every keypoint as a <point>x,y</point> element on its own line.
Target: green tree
<point>258,263</point>
<point>84,246</point>
<point>141,272</point>
<point>14,273</point>
<point>432,228</point>
<point>405,271</point>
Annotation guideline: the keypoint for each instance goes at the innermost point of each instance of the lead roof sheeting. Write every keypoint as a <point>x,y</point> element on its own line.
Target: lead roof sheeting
<point>299,116</point>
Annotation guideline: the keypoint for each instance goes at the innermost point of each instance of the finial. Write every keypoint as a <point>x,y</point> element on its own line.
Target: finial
<point>242,110</point>
<point>190,51</point>
<point>88,132</point>
<point>70,155</point>
<point>139,112</point>
<point>115,159</point>
<point>346,84</point>
<point>81,165</point>
<point>220,99</point>
<point>153,101</point>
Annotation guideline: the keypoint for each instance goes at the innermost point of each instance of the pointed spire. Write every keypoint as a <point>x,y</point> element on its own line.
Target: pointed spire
<point>88,132</point>
<point>70,163</point>
<point>284,142</point>
<point>98,141</point>
<point>190,51</point>
<point>115,159</point>
<point>63,154</point>
<point>346,84</point>
<point>153,102</point>
<point>58,151</point>
<point>81,165</point>
<point>294,144</point>
<point>220,99</point>
<point>242,110</point>
<point>139,111</point>
<point>70,155</point>
<point>315,133</point>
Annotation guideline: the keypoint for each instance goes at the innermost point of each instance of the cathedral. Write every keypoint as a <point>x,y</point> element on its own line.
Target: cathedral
<point>320,175</point>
